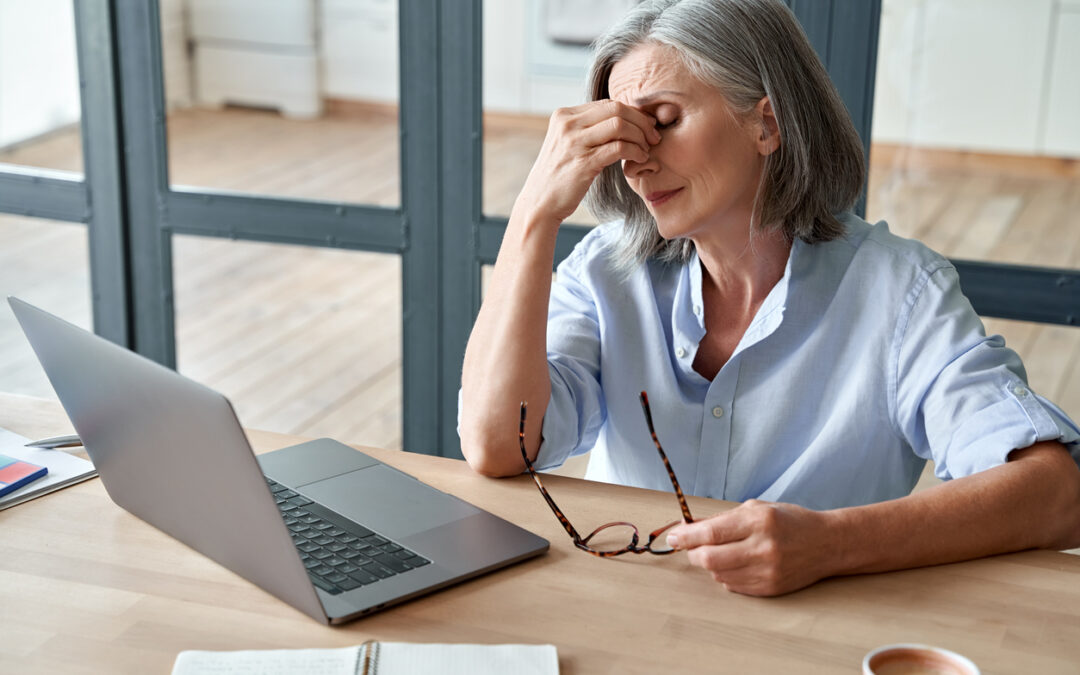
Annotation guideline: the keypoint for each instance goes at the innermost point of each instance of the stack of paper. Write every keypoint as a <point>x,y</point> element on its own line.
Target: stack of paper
<point>64,469</point>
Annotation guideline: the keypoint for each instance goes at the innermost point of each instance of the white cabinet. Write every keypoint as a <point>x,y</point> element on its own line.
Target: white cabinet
<point>525,70</point>
<point>256,52</point>
<point>359,49</point>
<point>1062,131</point>
<point>979,75</point>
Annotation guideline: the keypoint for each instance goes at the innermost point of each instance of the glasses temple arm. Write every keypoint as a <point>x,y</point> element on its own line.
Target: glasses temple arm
<point>536,479</point>
<point>687,518</point>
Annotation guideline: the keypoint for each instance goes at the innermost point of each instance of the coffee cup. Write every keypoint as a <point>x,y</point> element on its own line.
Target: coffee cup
<point>914,659</point>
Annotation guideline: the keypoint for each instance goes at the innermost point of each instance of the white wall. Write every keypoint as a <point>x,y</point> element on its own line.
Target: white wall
<point>39,80</point>
<point>983,75</point>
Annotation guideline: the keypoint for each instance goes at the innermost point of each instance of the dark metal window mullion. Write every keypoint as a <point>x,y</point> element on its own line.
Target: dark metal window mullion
<point>419,120</point>
<point>42,193</point>
<point>461,168</point>
<point>145,160</point>
<point>102,146</point>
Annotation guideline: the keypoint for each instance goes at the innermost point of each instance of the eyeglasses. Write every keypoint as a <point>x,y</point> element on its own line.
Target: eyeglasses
<point>605,550</point>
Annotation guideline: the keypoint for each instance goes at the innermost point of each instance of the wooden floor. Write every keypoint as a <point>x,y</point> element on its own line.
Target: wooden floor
<point>308,341</point>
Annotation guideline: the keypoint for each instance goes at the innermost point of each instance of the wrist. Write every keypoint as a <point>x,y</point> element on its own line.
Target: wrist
<point>847,546</point>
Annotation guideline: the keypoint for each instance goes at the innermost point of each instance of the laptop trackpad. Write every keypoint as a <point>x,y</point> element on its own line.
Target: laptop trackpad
<point>388,501</point>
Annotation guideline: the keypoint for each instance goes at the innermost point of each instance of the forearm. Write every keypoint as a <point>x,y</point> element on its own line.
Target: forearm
<point>506,357</point>
<point>1030,502</point>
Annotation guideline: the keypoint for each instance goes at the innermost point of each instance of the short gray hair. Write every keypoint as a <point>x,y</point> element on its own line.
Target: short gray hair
<point>748,49</point>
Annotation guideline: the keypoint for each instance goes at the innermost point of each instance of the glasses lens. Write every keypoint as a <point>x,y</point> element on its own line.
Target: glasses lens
<point>611,537</point>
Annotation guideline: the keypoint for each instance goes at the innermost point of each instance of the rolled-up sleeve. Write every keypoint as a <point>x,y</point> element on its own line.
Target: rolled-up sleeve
<point>962,398</point>
<point>575,411</point>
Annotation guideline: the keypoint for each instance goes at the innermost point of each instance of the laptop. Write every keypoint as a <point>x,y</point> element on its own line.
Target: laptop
<point>331,531</point>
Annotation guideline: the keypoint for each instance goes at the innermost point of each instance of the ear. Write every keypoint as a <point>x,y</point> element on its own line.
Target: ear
<point>768,137</point>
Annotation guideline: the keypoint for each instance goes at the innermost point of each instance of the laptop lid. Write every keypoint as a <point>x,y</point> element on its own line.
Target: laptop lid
<point>172,452</point>
<point>165,449</point>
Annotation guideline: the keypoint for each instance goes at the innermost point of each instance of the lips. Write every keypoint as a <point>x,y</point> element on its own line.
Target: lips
<point>659,197</point>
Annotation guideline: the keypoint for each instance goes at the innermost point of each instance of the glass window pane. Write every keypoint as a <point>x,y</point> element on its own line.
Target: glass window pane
<point>979,167</point>
<point>534,61</point>
<point>45,263</point>
<point>302,340</point>
<point>296,99</point>
<point>39,85</point>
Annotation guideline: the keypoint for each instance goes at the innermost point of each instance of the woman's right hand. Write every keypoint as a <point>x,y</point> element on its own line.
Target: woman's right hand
<point>581,141</point>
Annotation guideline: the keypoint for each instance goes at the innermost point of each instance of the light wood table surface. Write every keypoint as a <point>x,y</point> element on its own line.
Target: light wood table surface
<point>87,587</point>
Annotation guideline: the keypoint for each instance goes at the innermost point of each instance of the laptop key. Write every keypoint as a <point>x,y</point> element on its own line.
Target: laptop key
<point>323,540</point>
<point>322,570</point>
<point>334,561</point>
<point>380,571</point>
<point>363,577</point>
<point>391,562</point>
<point>312,563</point>
<point>321,554</point>
<point>335,578</point>
<point>346,568</point>
<point>347,584</point>
<point>349,555</point>
<point>287,494</point>
<point>325,585</point>
<point>307,547</point>
<point>335,531</point>
<point>337,548</point>
<point>418,561</point>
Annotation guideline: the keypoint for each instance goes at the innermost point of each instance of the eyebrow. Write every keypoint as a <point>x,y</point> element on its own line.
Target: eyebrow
<point>646,100</point>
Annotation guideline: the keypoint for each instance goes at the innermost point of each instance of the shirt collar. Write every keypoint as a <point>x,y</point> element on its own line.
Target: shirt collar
<point>688,317</point>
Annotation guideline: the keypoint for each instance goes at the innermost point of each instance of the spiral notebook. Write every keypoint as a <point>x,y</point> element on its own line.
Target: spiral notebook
<point>64,469</point>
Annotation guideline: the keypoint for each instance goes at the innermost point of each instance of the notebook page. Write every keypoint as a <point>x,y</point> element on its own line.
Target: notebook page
<point>403,658</point>
<point>269,662</point>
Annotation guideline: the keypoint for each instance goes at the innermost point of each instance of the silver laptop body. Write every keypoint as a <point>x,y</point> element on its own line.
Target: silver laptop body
<point>171,452</point>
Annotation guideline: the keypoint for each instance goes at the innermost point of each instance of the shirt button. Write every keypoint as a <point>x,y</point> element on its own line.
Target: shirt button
<point>697,310</point>
<point>718,412</point>
<point>1020,391</point>
<point>680,352</point>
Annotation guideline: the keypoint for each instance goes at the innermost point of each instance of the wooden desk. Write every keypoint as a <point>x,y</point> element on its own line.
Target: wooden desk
<point>86,587</point>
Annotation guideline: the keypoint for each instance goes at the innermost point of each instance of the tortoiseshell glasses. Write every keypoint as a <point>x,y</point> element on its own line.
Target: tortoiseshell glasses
<point>605,550</point>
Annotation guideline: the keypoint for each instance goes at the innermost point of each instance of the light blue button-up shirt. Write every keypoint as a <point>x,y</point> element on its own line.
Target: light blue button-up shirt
<point>864,361</point>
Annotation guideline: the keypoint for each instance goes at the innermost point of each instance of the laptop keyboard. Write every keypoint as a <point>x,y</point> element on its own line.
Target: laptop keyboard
<point>339,555</point>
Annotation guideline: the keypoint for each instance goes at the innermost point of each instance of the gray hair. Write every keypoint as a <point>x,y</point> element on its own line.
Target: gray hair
<point>748,49</point>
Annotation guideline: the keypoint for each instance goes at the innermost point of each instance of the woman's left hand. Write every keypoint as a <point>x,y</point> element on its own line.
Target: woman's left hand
<point>760,548</point>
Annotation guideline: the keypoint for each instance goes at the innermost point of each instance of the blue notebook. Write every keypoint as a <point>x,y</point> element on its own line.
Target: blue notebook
<point>15,473</point>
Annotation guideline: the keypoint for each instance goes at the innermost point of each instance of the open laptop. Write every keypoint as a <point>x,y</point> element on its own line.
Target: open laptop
<point>330,530</point>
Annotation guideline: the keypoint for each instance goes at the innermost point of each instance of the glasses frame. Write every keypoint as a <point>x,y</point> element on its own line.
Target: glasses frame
<point>583,542</point>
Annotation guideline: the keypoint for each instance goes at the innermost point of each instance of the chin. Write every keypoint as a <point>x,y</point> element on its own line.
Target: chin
<point>672,230</point>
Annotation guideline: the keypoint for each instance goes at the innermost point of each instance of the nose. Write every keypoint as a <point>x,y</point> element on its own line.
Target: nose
<point>632,169</point>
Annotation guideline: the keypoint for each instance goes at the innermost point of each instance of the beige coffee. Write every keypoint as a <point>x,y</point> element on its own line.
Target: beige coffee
<point>911,661</point>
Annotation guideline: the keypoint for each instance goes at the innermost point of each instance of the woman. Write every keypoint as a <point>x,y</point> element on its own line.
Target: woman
<point>798,359</point>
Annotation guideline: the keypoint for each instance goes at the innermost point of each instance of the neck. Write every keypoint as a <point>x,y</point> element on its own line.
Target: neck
<point>744,270</point>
